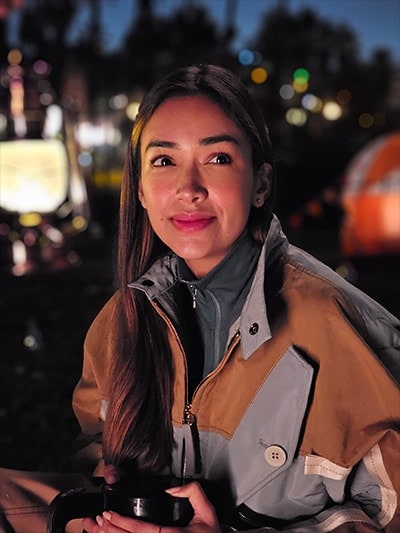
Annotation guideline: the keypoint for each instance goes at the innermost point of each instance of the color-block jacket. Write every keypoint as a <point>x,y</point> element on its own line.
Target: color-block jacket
<point>300,420</point>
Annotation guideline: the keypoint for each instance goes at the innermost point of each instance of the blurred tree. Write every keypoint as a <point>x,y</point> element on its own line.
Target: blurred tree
<point>44,27</point>
<point>156,45</point>
<point>314,154</point>
<point>3,44</point>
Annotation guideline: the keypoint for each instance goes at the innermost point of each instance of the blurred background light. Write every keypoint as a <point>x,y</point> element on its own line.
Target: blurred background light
<point>366,120</point>
<point>14,57</point>
<point>286,91</point>
<point>311,102</point>
<point>29,220</point>
<point>46,98</point>
<point>246,57</point>
<point>332,110</point>
<point>85,159</point>
<point>300,85</point>
<point>53,121</point>
<point>132,109</point>
<point>41,67</point>
<point>259,75</point>
<point>79,222</point>
<point>3,123</point>
<point>296,116</point>
<point>343,97</point>
<point>301,75</point>
<point>41,184</point>
<point>119,101</point>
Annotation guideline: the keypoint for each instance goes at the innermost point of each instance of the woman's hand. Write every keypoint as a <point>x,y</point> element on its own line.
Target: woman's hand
<point>203,521</point>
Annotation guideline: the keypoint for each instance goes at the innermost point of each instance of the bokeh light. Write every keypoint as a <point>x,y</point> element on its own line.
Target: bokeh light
<point>3,123</point>
<point>46,98</point>
<point>311,103</point>
<point>300,85</point>
<point>246,57</point>
<point>332,110</point>
<point>14,57</point>
<point>286,91</point>
<point>296,116</point>
<point>29,219</point>
<point>366,120</point>
<point>80,223</point>
<point>119,101</point>
<point>301,75</point>
<point>132,110</point>
<point>259,75</point>
<point>343,96</point>
<point>85,159</point>
<point>41,67</point>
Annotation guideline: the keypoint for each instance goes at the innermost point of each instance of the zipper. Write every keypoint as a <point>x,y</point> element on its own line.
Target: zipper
<point>188,416</point>
<point>188,459</point>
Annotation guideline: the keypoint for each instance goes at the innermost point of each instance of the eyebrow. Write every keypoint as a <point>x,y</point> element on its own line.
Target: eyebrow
<point>225,137</point>
<point>207,141</point>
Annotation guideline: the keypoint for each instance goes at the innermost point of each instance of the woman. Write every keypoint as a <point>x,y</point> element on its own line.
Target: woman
<point>265,370</point>
<point>228,356</point>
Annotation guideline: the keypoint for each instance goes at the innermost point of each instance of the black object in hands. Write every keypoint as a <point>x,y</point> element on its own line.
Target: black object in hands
<point>142,498</point>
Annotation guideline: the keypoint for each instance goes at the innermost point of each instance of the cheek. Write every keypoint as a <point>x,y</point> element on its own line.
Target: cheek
<point>236,198</point>
<point>154,196</point>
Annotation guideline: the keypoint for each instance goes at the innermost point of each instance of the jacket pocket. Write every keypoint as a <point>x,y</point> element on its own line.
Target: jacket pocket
<point>265,442</point>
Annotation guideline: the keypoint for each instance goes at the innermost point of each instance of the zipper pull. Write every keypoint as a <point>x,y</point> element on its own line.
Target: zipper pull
<point>193,290</point>
<point>188,459</point>
<point>188,416</point>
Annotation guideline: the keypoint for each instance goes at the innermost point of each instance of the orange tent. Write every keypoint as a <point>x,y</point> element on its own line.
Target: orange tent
<point>371,199</point>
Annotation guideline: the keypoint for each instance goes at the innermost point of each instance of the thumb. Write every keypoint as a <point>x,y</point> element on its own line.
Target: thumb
<point>111,474</point>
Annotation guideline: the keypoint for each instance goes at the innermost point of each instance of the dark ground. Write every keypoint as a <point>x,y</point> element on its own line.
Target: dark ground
<point>37,426</point>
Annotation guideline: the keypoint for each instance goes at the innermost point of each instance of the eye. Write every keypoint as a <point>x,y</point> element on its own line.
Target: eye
<point>221,159</point>
<point>161,161</point>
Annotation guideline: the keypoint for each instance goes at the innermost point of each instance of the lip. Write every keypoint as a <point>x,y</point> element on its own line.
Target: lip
<point>191,222</point>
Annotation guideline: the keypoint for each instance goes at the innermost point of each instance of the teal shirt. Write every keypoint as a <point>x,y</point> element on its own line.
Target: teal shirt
<point>219,296</point>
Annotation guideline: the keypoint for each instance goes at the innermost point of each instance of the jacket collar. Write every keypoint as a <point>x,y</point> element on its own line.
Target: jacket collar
<point>253,324</point>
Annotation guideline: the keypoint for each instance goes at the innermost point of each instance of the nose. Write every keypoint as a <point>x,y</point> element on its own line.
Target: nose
<point>190,186</point>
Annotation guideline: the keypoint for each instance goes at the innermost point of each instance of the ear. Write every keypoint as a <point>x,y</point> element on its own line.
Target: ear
<point>262,185</point>
<point>141,196</point>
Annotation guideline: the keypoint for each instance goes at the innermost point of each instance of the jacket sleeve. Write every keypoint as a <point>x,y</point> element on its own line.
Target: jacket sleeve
<point>90,397</point>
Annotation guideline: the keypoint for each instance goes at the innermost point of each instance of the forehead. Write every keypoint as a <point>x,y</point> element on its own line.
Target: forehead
<point>194,115</point>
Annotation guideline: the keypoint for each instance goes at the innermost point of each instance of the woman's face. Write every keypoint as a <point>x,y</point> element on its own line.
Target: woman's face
<point>197,181</point>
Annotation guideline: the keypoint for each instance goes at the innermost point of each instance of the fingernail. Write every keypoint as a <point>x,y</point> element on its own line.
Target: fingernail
<point>107,515</point>
<point>99,520</point>
<point>173,490</point>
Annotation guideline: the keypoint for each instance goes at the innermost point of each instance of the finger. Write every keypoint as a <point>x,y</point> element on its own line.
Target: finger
<point>203,509</point>
<point>192,490</point>
<point>89,525</point>
<point>125,523</point>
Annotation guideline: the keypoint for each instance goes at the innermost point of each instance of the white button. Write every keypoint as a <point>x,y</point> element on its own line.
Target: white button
<point>275,455</point>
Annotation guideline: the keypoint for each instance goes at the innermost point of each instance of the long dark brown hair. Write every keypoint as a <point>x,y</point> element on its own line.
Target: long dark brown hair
<point>138,432</point>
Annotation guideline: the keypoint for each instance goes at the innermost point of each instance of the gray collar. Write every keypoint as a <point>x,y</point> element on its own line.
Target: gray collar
<point>253,322</point>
